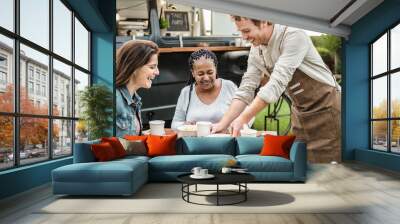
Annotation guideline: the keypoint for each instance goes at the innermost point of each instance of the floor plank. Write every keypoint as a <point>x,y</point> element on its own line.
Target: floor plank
<point>376,190</point>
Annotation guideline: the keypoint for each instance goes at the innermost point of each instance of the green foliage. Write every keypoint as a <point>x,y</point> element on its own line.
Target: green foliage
<point>96,102</point>
<point>164,24</point>
<point>283,116</point>
<point>329,47</point>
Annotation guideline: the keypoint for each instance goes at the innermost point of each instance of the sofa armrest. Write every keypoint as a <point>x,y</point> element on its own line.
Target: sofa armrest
<point>83,153</point>
<point>298,155</point>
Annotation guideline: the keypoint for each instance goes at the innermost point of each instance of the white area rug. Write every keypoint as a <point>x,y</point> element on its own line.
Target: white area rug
<point>166,198</point>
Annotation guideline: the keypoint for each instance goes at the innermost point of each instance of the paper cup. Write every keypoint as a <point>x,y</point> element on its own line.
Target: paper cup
<point>157,127</point>
<point>203,128</point>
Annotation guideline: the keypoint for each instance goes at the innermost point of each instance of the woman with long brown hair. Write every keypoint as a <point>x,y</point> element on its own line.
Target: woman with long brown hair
<point>136,63</point>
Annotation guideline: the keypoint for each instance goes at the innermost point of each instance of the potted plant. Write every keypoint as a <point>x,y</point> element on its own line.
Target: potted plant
<point>96,103</point>
<point>164,24</point>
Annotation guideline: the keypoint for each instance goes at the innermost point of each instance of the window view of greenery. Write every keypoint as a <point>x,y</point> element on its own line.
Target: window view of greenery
<point>46,97</point>
<point>385,79</point>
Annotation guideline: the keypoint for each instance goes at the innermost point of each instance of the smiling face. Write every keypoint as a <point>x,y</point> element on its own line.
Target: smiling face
<point>255,34</point>
<point>144,75</point>
<point>204,73</point>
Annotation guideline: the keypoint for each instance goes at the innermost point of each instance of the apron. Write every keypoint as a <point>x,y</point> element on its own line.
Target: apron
<point>315,116</point>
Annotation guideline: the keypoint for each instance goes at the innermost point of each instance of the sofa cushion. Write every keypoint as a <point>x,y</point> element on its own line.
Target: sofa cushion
<point>277,145</point>
<point>134,147</point>
<point>83,152</point>
<point>161,145</point>
<point>206,145</point>
<point>116,145</point>
<point>249,145</point>
<point>103,152</point>
<point>257,163</point>
<point>112,171</point>
<point>185,163</point>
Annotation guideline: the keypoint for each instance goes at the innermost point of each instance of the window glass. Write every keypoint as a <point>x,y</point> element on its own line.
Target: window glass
<point>81,131</point>
<point>62,89</point>
<point>395,47</point>
<point>395,95</point>
<point>6,142</point>
<point>81,45</point>
<point>7,14</point>
<point>379,135</point>
<point>395,136</point>
<point>34,21</point>
<point>31,58</point>
<point>81,81</point>
<point>379,98</point>
<point>62,29</point>
<point>62,141</point>
<point>379,56</point>
<point>33,139</point>
<point>6,75</point>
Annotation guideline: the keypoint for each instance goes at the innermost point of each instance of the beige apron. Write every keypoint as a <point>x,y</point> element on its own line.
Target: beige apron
<point>315,116</point>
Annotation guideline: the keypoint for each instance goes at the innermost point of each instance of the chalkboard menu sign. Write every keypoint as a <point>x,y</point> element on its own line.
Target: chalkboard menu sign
<point>178,21</point>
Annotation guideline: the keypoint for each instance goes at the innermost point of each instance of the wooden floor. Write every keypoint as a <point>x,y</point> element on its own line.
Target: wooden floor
<point>377,188</point>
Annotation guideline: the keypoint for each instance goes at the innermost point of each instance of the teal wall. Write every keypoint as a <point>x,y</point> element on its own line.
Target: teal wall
<point>99,16</point>
<point>356,100</point>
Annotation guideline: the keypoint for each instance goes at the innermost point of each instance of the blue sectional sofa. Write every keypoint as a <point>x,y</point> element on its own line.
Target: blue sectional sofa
<point>125,176</point>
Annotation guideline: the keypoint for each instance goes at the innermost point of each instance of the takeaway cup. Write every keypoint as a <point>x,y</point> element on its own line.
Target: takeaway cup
<point>157,127</point>
<point>203,128</point>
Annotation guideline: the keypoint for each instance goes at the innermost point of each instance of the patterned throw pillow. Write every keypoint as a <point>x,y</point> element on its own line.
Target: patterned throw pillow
<point>134,147</point>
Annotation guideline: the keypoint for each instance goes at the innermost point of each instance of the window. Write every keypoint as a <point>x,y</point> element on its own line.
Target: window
<point>7,14</point>
<point>385,96</point>
<point>3,72</point>
<point>41,83</point>
<point>3,78</point>
<point>30,87</point>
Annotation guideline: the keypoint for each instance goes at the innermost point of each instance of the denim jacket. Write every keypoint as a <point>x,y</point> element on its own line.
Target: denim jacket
<point>126,116</point>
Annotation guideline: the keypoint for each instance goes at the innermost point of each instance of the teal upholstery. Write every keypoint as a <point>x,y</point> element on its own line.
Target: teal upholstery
<point>83,152</point>
<point>249,145</point>
<point>259,163</point>
<point>125,176</point>
<point>119,177</point>
<point>183,164</point>
<point>206,145</point>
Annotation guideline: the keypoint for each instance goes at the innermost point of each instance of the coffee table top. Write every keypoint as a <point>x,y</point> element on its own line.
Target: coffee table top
<point>220,178</point>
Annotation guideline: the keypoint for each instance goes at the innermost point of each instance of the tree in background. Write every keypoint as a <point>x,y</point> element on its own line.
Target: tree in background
<point>329,47</point>
<point>380,127</point>
<point>33,131</point>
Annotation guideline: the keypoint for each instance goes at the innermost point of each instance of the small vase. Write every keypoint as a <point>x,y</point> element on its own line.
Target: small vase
<point>163,31</point>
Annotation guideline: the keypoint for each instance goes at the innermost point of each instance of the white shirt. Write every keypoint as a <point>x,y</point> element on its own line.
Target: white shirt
<point>279,62</point>
<point>199,111</point>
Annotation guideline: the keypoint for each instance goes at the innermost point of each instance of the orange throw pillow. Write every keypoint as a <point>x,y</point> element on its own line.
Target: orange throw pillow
<point>142,138</point>
<point>161,145</point>
<point>103,151</point>
<point>277,145</point>
<point>116,145</point>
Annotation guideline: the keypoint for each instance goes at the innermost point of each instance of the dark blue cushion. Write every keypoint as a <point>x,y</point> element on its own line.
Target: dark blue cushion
<point>249,145</point>
<point>206,145</point>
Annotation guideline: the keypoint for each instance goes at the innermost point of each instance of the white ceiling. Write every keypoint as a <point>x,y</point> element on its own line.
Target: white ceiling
<point>132,9</point>
<point>315,15</point>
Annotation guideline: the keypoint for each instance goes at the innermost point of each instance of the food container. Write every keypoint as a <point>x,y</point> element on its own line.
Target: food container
<point>187,130</point>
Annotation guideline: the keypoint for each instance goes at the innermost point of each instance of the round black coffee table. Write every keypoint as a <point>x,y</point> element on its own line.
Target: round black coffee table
<point>238,179</point>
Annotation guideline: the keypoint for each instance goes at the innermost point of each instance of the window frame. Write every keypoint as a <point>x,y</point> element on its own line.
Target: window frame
<point>15,71</point>
<point>388,74</point>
